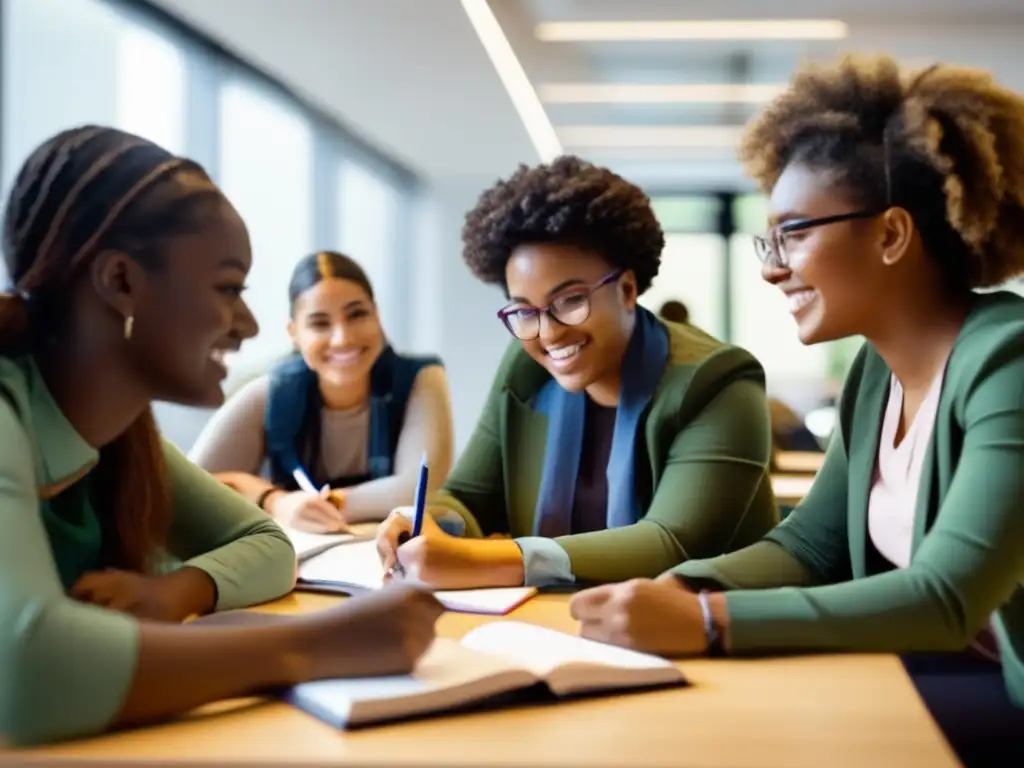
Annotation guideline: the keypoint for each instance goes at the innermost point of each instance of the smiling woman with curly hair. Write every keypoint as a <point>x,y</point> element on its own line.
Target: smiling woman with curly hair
<point>612,445</point>
<point>894,197</point>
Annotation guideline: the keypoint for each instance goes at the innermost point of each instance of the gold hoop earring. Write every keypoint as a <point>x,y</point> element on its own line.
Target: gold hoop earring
<point>129,325</point>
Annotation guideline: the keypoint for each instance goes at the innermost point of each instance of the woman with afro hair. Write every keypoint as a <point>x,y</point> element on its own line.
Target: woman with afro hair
<point>612,445</point>
<point>895,197</point>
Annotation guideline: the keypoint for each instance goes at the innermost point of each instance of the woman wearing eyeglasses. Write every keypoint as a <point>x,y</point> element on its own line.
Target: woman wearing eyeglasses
<point>611,445</point>
<point>894,197</point>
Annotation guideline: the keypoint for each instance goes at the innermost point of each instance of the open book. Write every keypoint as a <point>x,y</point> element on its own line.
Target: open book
<point>503,657</point>
<point>356,567</point>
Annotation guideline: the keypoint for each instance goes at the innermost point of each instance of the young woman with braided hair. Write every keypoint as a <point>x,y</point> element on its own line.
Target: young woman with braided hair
<point>127,267</point>
<point>894,197</point>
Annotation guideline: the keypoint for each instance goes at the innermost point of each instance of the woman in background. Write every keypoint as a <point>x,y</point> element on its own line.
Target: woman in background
<point>346,409</point>
<point>612,445</point>
<point>674,311</point>
<point>127,267</point>
<point>894,197</point>
<point>789,433</point>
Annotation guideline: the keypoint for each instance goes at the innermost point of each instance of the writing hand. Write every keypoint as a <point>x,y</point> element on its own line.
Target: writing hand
<point>311,512</point>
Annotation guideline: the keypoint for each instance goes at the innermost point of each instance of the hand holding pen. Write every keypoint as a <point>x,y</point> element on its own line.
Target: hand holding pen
<point>414,548</point>
<point>310,509</point>
<point>394,569</point>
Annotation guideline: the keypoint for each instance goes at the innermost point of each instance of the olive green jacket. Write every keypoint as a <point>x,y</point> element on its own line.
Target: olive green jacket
<point>968,547</point>
<point>702,450</point>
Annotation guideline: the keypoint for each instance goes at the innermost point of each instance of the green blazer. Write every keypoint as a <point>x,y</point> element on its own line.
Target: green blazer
<point>67,666</point>
<point>968,549</point>
<point>703,443</point>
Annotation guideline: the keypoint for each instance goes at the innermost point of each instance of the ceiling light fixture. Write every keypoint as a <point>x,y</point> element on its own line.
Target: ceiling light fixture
<point>513,77</point>
<point>609,93</point>
<point>651,136</point>
<point>751,29</point>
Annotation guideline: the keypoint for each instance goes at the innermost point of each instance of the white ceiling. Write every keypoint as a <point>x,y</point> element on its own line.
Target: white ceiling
<point>409,76</point>
<point>412,77</point>
<point>986,33</point>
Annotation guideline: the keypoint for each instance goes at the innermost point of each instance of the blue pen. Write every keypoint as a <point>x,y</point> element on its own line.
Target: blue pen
<point>421,498</point>
<point>421,504</point>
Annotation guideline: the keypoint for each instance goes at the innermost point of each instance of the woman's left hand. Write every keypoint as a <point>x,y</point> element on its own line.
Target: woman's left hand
<point>173,597</point>
<point>650,616</point>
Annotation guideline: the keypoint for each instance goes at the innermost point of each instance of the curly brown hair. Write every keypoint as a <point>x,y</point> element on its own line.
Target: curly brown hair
<point>569,202</point>
<point>946,143</point>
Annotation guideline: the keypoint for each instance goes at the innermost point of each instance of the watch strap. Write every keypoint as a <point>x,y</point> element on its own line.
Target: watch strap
<point>712,632</point>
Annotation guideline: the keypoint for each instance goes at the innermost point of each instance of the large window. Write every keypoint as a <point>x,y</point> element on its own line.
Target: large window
<point>151,87</point>
<point>59,70</point>
<point>693,272</point>
<point>270,182</point>
<point>70,62</point>
<point>367,229</point>
<point>761,321</point>
<point>693,262</point>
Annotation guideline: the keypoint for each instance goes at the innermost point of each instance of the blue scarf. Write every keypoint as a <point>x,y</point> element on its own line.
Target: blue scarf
<point>642,368</point>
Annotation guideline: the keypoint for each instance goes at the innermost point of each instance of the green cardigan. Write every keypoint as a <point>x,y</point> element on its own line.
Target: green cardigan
<point>705,441</point>
<point>968,547</point>
<point>66,666</point>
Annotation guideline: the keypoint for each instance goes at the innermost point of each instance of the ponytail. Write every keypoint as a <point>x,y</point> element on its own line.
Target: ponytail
<point>15,324</point>
<point>131,480</point>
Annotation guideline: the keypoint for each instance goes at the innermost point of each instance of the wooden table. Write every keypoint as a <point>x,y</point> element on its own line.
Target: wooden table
<point>799,462</point>
<point>841,712</point>
<point>791,489</point>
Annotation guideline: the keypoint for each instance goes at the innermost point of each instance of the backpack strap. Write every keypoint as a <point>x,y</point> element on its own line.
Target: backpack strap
<point>292,418</point>
<point>292,396</point>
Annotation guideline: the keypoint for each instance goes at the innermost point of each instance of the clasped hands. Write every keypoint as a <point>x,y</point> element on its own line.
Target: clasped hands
<point>173,597</point>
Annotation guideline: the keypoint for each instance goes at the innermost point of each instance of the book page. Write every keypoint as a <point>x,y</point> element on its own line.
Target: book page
<point>310,544</point>
<point>496,601</point>
<point>447,676</point>
<point>570,664</point>
<point>356,565</point>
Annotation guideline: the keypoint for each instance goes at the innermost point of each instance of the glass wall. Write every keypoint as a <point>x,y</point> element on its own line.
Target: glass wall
<point>709,264</point>
<point>693,262</point>
<point>761,321</point>
<point>113,62</point>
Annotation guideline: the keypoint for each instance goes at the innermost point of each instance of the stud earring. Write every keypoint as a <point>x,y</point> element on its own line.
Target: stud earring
<point>129,325</point>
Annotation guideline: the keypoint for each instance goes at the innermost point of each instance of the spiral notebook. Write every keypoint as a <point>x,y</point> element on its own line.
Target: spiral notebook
<point>356,567</point>
<point>502,659</point>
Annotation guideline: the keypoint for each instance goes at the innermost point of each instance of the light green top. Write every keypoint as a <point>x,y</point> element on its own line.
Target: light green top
<point>66,667</point>
<point>820,584</point>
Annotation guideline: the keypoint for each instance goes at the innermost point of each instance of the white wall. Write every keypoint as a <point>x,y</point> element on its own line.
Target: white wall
<point>454,313</point>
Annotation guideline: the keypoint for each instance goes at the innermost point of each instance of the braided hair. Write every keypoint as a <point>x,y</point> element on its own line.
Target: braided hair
<point>83,191</point>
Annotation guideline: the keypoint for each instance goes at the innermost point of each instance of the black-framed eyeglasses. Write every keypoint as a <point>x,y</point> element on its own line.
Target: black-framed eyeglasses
<point>771,246</point>
<point>569,308</point>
